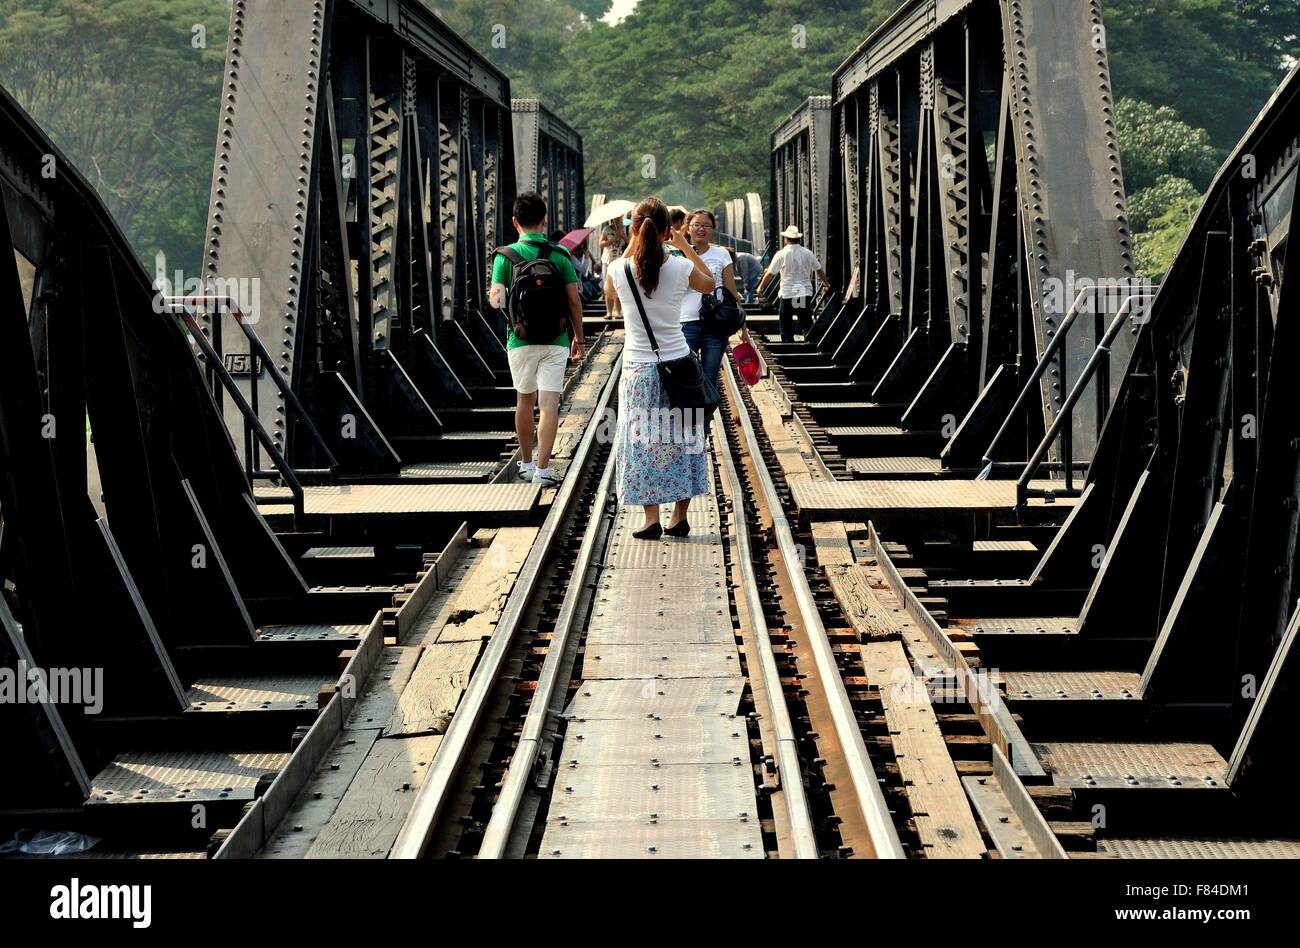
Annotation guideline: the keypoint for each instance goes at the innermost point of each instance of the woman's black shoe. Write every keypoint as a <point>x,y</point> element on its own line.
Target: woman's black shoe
<point>652,532</point>
<point>681,529</point>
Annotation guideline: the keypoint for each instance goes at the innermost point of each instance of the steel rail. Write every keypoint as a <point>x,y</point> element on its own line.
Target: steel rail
<point>422,819</point>
<point>789,771</point>
<point>866,788</point>
<point>500,825</point>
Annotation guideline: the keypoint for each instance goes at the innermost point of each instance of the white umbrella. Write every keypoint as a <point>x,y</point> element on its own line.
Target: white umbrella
<point>614,210</point>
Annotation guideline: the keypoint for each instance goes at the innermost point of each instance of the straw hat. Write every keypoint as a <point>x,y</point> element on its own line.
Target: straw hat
<point>792,233</point>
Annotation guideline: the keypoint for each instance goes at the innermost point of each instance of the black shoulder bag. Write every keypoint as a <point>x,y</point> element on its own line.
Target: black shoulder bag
<point>721,317</point>
<point>683,379</point>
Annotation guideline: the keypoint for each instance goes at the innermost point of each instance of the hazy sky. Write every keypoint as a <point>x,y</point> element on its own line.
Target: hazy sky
<point>619,10</point>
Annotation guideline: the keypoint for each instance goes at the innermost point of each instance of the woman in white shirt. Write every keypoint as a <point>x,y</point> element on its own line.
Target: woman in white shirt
<point>660,454</point>
<point>700,228</point>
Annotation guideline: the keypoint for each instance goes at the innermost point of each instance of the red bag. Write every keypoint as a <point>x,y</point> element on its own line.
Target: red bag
<point>748,363</point>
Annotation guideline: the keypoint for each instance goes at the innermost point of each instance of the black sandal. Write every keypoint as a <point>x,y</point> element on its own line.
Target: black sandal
<point>652,532</point>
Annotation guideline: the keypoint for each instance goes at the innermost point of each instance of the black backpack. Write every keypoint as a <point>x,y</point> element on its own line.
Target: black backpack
<point>538,304</point>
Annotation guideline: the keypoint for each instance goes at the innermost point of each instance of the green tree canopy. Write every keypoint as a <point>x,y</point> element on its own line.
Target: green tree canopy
<point>1155,143</point>
<point>1219,60</point>
<point>128,89</point>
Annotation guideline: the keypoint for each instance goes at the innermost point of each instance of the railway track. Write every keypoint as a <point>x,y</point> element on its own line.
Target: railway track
<point>532,752</point>
<point>822,744</point>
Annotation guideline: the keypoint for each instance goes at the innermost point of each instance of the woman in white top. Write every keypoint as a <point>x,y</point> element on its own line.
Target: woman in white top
<point>700,228</point>
<point>660,454</point>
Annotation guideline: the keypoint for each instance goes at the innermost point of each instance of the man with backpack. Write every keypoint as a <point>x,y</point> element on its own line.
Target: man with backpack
<point>535,282</point>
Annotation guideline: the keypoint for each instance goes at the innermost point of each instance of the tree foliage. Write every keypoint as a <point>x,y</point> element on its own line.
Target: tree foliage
<point>1218,60</point>
<point>696,85</point>
<point>128,90</point>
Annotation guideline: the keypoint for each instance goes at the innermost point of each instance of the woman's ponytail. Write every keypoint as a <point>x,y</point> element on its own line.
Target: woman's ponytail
<point>649,225</point>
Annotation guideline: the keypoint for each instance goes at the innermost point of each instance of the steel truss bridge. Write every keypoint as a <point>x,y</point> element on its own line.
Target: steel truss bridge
<point>1061,502</point>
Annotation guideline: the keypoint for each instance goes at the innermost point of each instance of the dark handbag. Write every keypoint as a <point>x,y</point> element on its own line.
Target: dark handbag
<point>721,317</point>
<point>683,379</point>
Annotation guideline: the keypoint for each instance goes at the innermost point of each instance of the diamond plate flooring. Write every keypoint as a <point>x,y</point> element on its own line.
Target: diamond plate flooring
<point>655,760</point>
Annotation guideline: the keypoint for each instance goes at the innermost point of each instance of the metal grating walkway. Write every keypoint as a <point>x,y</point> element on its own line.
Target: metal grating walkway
<point>374,500</point>
<point>655,761</point>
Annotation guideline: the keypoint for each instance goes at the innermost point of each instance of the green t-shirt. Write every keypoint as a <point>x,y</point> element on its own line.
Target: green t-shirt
<point>503,272</point>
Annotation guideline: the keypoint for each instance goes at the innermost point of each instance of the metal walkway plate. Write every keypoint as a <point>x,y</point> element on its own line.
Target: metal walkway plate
<point>854,499</point>
<point>1099,764</point>
<point>886,466</point>
<point>339,553</point>
<point>181,776</point>
<point>480,470</point>
<point>643,792</point>
<point>1020,625</point>
<point>700,740</point>
<point>661,661</point>
<point>678,839</point>
<point>1074,685</point>
<point>668,606</point>
<point>654,759</point>
<point>648,698</point>
<point>1175,848</point>
<point>310,631</point>
<point>701,549</point>
<point>256,693</point>
<point>357,500</point>
<point>1003,546</point>
<point>855,431</point>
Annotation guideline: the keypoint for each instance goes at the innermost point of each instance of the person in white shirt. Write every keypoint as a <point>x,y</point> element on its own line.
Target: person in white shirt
<point>613,240</point>
<point>655,466</point>
<point>795,264</point>
<point>700,227</point>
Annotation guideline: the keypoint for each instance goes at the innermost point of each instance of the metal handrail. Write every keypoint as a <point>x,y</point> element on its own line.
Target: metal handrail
<point>1029,390</point>
<point>256,348</point>
<point>253,427</point>
<point>1100,357</point>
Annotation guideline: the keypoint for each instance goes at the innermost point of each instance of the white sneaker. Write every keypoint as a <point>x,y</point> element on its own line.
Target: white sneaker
<point>526,469</point>
<point>547,478</point>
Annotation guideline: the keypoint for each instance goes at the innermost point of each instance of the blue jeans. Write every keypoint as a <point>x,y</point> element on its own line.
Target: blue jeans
<point>710,349</point>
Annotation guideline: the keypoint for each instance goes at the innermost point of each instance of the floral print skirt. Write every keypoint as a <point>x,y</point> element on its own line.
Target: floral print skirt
<point>661,450</point>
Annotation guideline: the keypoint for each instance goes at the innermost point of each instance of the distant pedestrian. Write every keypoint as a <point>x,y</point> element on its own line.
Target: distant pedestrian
<point>750,270</point>
<point>656,466</point>
<point>613,241</point>
<point>677,219</point>
<point>542,313</point>
<point>795,264</point>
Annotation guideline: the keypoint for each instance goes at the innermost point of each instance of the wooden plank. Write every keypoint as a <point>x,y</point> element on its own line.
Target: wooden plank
<point>493,576</point>
<point>864,608</point>
<point>431,696</point>
<point>785,445</point>
<point>478,600</point>
<point>318,800</point>
<point>941,812</point>
<point>379,699</point>
<point>832,544</point>
<point>366,822</point>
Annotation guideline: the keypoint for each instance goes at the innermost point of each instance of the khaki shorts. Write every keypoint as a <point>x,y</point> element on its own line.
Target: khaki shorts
<point>538,366</point>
